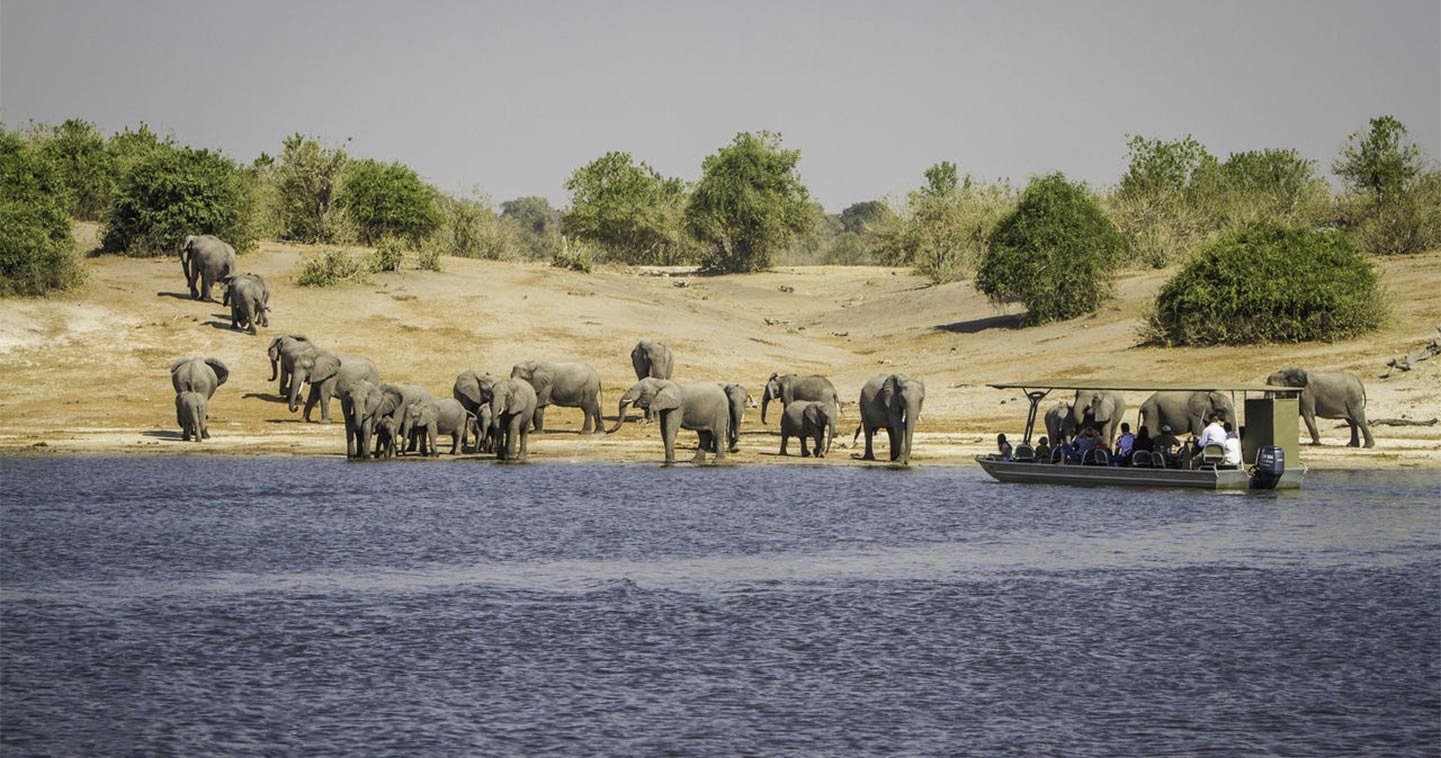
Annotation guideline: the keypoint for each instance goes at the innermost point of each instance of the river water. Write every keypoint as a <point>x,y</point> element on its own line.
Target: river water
<point>256,606</point>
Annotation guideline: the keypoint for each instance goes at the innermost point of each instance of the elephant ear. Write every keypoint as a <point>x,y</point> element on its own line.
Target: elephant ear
<point>222,372</point>
<point>1298,377</point>
<point>274,350</point>
<point>177,364</point>
<point>816,414</point>
<point>326,366</point>
<point>667,397</point>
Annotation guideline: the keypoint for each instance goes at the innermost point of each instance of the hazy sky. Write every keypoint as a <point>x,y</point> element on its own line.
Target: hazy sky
<point>511,97</point>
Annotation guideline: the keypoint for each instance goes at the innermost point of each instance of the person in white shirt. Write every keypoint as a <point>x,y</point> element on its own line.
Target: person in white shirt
<point>1233,446</point>
<point>1213,434</point>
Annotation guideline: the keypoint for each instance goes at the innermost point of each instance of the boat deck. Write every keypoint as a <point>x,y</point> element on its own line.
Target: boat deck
<point>1125,476</point>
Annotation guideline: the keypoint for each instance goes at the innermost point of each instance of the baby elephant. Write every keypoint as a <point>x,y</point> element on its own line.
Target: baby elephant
<point>190,414</point>
<point>249,298</point>
<point>809,420</point>
<point>428,418</point>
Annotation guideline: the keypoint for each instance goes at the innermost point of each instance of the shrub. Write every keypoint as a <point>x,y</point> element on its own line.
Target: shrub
<point>333,267</point>
<point>388,199</point>
<point>429,258</point>
<point>1055,252</point>
<point>76,151</point>
<point>1394,204</point>
<point>177,191</point>
<point>573,258</point>
<point>629,210</point>
<point>1269,283</point>
<point>36,251</point>
<point>469,228</point>
<point>307,180</point>
<point>387,256</point>
<point>535,224</point>
<point>944,228</point>
<point>749,203</point>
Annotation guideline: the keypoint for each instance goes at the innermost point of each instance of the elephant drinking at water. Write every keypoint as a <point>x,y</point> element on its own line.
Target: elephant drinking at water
<point>740,399</point>
<point>570,385</point>
<point>472,391</point>
<point>892,402</point>
<point>812,421</point>
<point>512,410</point>
<point>427,419</point>
<point>700,406</point>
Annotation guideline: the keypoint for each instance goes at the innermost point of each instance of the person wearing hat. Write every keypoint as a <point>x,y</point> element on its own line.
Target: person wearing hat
<point>1167,443</point>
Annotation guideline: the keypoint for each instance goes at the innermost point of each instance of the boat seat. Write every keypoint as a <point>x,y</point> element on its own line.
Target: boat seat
<point>1024,453</point>
<point>1098,457</point>
<point>1158,460</point>
<point>1141,459</point>
<point>1057,455</point>
<point>1212,456</point>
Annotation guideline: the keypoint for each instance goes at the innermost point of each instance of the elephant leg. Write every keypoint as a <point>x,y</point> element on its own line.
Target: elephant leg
<point>539,419</point>
<point>524,438</point>
<point>870,434</point>
<point>324,398</point>
<point>667,434</point>
<point>784,439</point>
<point>588,425</point>
<point>893,443</point>
<point>1365,426</point>
<point>430,443</point>
<point>805,451</point>
<point>1310,418</point>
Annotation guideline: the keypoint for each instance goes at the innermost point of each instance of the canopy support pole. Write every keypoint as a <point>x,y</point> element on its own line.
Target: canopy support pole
<point>1035,396</point>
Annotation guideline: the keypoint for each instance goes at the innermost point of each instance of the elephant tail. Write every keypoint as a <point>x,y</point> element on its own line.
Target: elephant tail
<point>185,261</point>
<point>856,434</point>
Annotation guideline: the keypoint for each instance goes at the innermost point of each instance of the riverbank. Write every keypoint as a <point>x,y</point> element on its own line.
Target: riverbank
<point>87,371</point>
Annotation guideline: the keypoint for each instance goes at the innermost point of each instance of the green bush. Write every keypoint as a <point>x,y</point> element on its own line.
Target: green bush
<point>749,204</point>
<point>1393,204</point>
<point>173,192</point>
<point>77,152</point>
<point>388,199</point>
<point>428,258</point>
<point>535,225</point>
<point>307,178</point>
<point>631,212</point>
<point>389,253</point>
<point>944,227</point>
<point>333,267</point>
<point>469,228</point>
<point>573,258</point>
<point>36,251</point>
<point>1055,252</point>
<point>1269,283</point>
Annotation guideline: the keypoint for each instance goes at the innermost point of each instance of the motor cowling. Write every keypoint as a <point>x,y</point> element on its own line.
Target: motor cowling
<point>1270,465</point>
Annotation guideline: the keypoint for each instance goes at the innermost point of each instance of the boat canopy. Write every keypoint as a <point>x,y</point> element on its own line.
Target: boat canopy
<point>1134,385</point>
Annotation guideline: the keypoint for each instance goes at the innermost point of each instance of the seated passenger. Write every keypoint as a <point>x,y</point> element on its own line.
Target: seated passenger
<point>1167,445</point>
<point>1085,443</point>
<point>1124,445</point>
<point>1213,434</point>
<point>1043,450</point>
<point>1233,446</point>
<point>1143,440</point>
<point>1003,449</point>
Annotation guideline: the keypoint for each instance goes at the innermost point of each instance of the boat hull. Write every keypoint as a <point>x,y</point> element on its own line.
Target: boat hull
<point>1124,476</point>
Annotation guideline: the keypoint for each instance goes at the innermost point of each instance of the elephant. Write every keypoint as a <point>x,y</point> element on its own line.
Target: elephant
<point>512,407</point>
<point>472,391</point>
<point>190,414</point>
<point>740,399</point>
<point>700,406</point>
<point>1059,423</point>
<point>387,431</point>
<point>398,397</point>
<point>892,402</point>
<point>571,385</point>
<point>809,420</point>
<point>1328,394</point>
<point>1103,409</point>
<point>789,388</point>
<point>1186,412</point>
<point>203,375</point>
<point>365,404</point>
<point>434,417</point>
<point>284,351</point>
<point>249,297</point>
<point>329,375</point>
<point>206,258</point>
<point>652,359</point>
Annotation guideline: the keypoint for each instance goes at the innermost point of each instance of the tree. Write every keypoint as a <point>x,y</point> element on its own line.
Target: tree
<point>87,171</point>
<point>36,252</point>
<point>945,224</point>
<point>1266,282</point>
<point>627,208</point>
<point>177,191</point>
<point>536,225</point>
<point>1394,203</point>
<point>1153,205</point>
<point>307,179</point>
<point>388,199</point>
<point>865,216</point>
<point>129,146</point>
<point>749,204</point>
<point>1055,252</point>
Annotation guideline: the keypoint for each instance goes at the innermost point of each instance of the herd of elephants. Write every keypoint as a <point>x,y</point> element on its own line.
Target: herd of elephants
<point>388,419</point>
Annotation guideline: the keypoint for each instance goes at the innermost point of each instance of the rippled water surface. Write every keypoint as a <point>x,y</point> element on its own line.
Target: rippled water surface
<point>197,606</point>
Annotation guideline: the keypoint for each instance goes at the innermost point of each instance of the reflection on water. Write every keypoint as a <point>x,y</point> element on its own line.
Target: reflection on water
<point>214,606</point>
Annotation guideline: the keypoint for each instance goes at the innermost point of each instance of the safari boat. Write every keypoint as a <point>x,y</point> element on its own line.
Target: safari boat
<point>1269,443</point>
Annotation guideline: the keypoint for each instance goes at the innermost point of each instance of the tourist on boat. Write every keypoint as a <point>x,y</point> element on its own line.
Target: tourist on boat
<point>1124,444</point>
<point>1143,440</point>
<point>1085,443</point>
<point>1232,445</point>
<point>1043,450</point>
<point>1003,449</point>
<point>1168,444</point>
<point>1213,434</point>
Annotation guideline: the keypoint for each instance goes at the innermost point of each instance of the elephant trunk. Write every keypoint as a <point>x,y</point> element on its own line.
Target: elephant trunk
<point>295,382</point>
<point>619,416</point>
<point>765,402</point>
<point>274,369</point>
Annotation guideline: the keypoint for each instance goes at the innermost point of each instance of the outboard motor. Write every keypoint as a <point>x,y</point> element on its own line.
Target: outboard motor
<point>1270,465</point>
